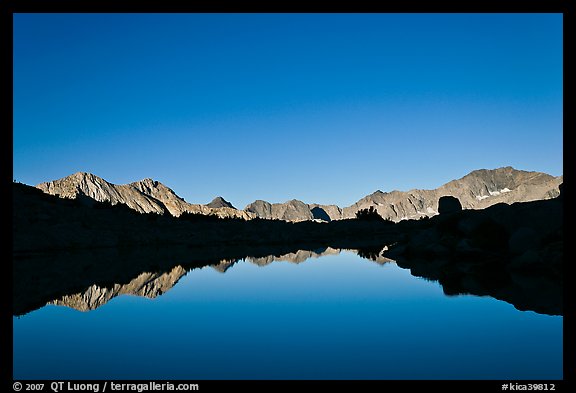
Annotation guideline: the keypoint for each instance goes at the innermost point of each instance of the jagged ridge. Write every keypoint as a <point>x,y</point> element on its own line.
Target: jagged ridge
<point>477,190</point>
<point>145,196</point>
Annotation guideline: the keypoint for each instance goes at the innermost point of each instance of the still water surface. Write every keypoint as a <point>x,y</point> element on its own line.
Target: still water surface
<point>334,317</point>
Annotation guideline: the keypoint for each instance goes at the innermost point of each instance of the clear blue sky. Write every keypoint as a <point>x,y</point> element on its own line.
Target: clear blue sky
<point>323,108</point>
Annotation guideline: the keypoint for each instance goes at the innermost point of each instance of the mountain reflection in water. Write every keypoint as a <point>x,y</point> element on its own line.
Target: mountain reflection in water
<point>85,281</point>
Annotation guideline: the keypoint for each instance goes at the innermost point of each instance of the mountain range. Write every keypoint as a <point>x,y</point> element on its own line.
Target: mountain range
<point>477,190</point>
<point>152,285</point>
<point>144,196</point>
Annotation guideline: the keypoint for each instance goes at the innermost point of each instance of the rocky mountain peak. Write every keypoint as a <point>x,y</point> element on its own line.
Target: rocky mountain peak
<point>148,182</point>
<point>154,189</point>
<point>80,183</point>
<point>295,202</point>
<point>476,190</point>
<point>293,210</point>
<point>219,202</point>
<point>82,175</point>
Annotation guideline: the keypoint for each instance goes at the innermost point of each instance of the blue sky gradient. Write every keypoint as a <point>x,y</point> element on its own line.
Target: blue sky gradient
<point>323,108</point>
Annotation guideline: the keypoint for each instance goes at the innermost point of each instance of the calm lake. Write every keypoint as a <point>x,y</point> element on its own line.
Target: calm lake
<point>338,316</point>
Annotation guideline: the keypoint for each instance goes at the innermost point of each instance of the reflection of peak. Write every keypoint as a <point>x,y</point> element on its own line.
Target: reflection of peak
<point>374,254</point>
<point>294,257</point>
<point>224,265</point>
<point>149,285</point>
